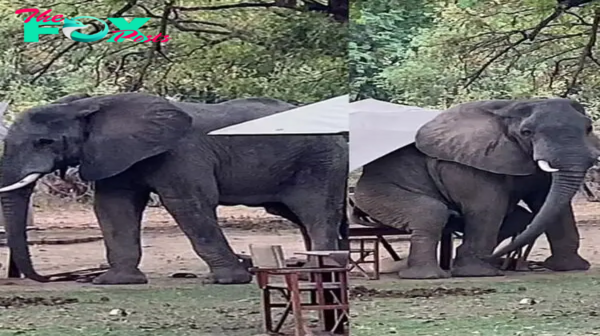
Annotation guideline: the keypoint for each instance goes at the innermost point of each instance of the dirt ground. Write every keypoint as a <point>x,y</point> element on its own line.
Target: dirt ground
<point>166,250</point>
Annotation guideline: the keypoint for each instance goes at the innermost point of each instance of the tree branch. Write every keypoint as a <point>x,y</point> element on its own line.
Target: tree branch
<point>229,6</point>
<point>154,49</point>
<point>585,53</point>
<point>47,66</point>
<point>531,36</point>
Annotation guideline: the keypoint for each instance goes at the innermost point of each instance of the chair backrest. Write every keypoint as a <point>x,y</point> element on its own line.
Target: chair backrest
<point>267,256</point>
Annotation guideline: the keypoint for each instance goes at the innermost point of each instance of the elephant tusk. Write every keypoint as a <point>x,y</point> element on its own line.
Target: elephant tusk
<point>544,165</point>
<point>25,181</point>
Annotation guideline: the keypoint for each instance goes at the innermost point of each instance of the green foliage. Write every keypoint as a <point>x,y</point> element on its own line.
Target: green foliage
<point>381,31</point>
<point>471,50</point>
<point>212,55</point>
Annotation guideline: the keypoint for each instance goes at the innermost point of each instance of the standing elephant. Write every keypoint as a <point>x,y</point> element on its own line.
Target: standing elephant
<point>480,159</point>
<point>133,144</point>
<point>3,131</point>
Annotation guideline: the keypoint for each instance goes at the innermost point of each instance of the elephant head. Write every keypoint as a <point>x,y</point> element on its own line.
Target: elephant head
<point>518,138</point>
<point>104,135</point>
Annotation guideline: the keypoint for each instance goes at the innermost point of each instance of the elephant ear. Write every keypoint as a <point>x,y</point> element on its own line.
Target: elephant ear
<point>123,129</point>
<point>475,134</point>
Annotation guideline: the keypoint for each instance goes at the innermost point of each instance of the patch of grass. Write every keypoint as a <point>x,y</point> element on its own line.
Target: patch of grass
<point>567,304</point>
<point>199,311</point>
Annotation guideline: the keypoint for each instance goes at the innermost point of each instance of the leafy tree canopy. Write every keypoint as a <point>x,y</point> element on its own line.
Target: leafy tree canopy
<point>465,50</point>
<point>291,50</point>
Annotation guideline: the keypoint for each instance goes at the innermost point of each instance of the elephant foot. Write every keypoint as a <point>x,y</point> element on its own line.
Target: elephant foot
<point>423,272</point>
<point>121,277</point>
<point>472,267</point>
<point>572,262</point>
<point>228,276</point>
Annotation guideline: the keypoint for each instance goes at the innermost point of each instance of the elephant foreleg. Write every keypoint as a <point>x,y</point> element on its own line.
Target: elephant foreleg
<point>119,213</point>
<point>562,237</point>
<point>482,225</point>
<point>564,244</point>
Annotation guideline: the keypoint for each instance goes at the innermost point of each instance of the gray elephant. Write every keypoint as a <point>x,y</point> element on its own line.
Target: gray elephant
<point>513,223</point>
<point>3,131</point>
<point>480,159</point>
<point>132,144</point>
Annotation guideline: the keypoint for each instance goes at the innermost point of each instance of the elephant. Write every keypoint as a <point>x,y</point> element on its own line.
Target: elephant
<point>3,131</point>
<point>513,223</point>
<point>132,144</point>
<point>480,159</point>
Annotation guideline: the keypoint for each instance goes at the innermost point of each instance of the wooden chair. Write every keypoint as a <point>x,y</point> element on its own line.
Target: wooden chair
<point>360,255</point>
<point>327,289</point>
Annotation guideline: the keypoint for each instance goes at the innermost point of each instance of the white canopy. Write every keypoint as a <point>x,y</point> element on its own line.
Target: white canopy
<point>325,117</point>
<point>378,128</point>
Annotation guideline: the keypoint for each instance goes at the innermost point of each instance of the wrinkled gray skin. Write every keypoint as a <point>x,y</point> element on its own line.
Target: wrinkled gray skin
<point>479,159</point>
<point>514,223</point>
<point>133,144</point>
<point>3,132</point>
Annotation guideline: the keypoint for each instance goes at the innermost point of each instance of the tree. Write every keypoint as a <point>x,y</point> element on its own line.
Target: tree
<point>291,50</point>
<point>505,49</point>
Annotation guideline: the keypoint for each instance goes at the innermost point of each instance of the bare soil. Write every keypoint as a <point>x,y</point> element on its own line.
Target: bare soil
<point>166,250</point>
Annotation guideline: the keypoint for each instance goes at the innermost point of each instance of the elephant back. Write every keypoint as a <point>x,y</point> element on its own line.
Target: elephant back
<point>210,117</point>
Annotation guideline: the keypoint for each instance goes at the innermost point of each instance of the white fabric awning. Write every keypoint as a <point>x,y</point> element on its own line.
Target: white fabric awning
<point>378,128</point>
<point>325,117</point>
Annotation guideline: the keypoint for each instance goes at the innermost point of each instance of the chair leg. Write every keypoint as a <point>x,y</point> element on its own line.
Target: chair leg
<point>286,311</point>
<point>266,305</point>
<point>292,283</point>
<point>376,260</point>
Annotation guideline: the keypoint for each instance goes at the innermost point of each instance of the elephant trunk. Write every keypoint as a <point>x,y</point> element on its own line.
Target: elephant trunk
<point>15,205</point>
<point>562,190</point>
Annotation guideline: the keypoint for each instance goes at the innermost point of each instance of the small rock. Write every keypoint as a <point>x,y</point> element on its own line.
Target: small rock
<point>118,312</point>
<point>527,301</point>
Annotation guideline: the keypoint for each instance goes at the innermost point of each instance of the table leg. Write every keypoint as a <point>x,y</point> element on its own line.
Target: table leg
<point>389,248</point>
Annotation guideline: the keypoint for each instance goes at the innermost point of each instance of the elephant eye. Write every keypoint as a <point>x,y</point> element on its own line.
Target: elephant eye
<point>590,129</point>
<point>526,132</point>
<point>44,142</point>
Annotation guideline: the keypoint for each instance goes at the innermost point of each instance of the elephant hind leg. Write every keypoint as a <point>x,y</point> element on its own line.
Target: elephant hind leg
<point>426,223</point>
<point>194,209</point>
<point>319,218</point>
<point>119,213</point>
<point>424,215</point>
<point>280,209</point>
